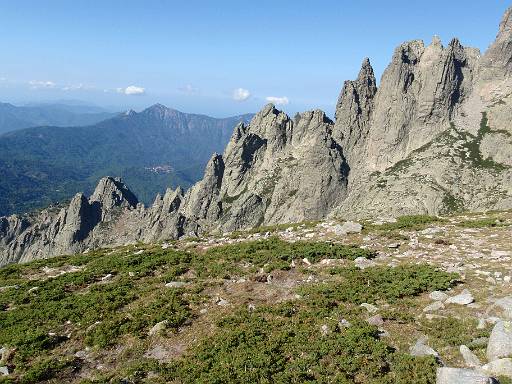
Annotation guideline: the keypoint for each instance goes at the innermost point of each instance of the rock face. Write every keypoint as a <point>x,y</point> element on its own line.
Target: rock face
<point>434,137</point>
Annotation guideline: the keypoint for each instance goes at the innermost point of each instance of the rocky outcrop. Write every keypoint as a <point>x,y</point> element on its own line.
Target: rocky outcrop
<point>70,229</point>
<point>434,137</point>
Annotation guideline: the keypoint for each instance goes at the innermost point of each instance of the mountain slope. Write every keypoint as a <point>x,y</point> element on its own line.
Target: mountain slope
<point>435,137</point>
<point>13,117</point>
<point>151,150</point>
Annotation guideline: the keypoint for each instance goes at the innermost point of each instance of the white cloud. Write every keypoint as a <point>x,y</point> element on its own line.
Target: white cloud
<point>278,100</point>
<point>132,90</point>
<point>241,94</point>
<point>189,89</point>
<point>37,84</point>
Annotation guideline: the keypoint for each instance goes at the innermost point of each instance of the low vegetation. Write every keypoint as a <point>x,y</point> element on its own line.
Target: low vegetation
<point>108,301</point>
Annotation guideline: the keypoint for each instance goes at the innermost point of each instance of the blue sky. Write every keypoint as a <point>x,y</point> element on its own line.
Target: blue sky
<point>200,56</point>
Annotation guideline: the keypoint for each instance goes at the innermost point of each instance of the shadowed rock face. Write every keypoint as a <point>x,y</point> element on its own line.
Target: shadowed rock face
<point>434,137</point>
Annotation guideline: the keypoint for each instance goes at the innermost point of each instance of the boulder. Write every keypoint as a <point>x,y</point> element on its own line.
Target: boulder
<point>158,327</point>
<point>347,228</point>
<point>422,349</point>
<point>469,357</point>
<point>500,367</point>
<point>500,341</point>
<point>505,303</point>
<point>463,298</point>
<point>438,296</point>
<point>447,375</point>
<point>375,320</point>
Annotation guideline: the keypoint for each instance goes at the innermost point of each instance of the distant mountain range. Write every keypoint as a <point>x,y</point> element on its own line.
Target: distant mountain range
<point>18,117</point>
<point>152,150</point>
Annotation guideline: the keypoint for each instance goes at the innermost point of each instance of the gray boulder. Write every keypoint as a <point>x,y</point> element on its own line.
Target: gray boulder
<point>420,348</point>
<point>464,298</point>
<point>505,303</point>
<point>500,341</point>
<point>438,296</point>
<point>469,357</point>
<point>447,375</point>
<point>500,367</point>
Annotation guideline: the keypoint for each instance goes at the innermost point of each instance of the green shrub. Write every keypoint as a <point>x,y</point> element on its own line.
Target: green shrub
<point>380,283</point>
<point>452,332</point>
<point>44,370</point>
<point>258,348</point>
<point>412,222</point>
<point>274,254</point>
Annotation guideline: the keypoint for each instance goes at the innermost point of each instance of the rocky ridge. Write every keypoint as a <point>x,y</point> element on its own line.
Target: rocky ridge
<point>433,137</point>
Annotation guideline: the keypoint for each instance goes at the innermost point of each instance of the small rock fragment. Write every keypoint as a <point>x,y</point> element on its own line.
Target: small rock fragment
<point>175,284</point>
<point>221,302</point>
<point>362,263</point>
<point>369,307</point>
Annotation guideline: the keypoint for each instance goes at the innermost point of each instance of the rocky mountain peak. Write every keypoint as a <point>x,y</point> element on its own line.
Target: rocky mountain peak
<point>112,192</point>
<point>506,22</point>
<point>413,145</point>
<point>497,60</point>
<point>354,109</point>
<point>366,73</point>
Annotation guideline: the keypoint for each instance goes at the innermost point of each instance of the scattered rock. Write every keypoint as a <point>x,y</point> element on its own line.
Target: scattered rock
<point>447,375</point>
<point>436,306</point>
<point>175,284</point>
<point>4,371</point>
<point>221,302</point>
<point>469,357</point>
<point>369,307</point>
<point>422,349</point>
<point>324,329</point>
<point>347,228</point>
<point>158,327</point>
<point>375,320</point>
<point>438,296</point>
<point>362,263</point>
<point>464,298</point>
<point>107,277</point>
<point>394,245</point>
<point>500,341</point>
<point>343,323</point>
